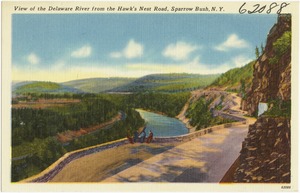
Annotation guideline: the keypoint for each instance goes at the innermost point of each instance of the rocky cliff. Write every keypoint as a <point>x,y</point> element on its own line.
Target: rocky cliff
<point>272,70</point>
<point>265,154</point>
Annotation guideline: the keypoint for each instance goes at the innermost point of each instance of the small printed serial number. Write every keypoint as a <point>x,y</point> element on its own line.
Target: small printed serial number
<point>285,187</point>
<point>258,8</point>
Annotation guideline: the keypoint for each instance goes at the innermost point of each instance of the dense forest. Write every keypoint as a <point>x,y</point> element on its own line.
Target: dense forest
<point>43,152</point>
<point>169,104</point>
<point>28,123</point>
<point>236,79</point>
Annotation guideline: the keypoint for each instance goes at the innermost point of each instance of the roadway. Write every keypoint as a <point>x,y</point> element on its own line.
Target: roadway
<point>204,159</point>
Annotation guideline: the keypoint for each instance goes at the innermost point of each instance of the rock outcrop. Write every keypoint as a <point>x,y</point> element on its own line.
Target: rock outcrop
<point>266,152</point>
<point>271,80</point>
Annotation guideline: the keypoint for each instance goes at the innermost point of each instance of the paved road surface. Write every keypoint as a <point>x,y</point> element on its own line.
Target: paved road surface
<point>203,159</point>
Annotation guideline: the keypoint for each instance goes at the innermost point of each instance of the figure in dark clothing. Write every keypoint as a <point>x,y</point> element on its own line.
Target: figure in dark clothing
<point>135,137</point>
<point>130,137</point>
<point>150,137</point>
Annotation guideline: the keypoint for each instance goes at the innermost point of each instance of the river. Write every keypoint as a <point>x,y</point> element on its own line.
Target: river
<point>162,126</point>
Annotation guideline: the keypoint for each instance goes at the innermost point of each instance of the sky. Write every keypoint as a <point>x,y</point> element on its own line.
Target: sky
<point>63,47</point>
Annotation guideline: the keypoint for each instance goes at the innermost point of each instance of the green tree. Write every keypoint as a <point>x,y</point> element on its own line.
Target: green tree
<point>256,52</point>
<point>243,88</point>
<point>281,46</point>
<point>262,48</point>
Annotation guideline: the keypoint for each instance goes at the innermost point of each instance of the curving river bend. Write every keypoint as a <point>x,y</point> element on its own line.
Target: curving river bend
<point>162,126</point>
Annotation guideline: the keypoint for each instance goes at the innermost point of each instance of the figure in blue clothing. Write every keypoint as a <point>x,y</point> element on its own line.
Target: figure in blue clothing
<point>142,136</point>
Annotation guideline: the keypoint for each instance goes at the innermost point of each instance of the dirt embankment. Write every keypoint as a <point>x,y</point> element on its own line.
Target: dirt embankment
<point>67,136</point>
<point>44,103</point>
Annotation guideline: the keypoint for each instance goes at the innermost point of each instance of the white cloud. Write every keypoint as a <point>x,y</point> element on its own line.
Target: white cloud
<point>233,41</point>
<point>179,51</point>
<point>240,60</point>
<point>33,59</point>
<point>133,49</point>
<point>82,52</point>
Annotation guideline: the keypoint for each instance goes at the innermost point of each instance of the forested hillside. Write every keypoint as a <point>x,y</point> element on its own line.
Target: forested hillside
<point>167,103</point>
<point>237,79</point>
<point>97,85</point>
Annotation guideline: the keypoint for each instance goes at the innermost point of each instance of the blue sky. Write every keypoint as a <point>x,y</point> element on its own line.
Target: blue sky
<point>62,47</point>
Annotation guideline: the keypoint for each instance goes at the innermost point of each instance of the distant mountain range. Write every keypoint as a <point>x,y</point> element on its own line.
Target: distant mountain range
<point>167,83</point>
<point>174,82</point>
<point>154,82</point>
<point>97,85</point>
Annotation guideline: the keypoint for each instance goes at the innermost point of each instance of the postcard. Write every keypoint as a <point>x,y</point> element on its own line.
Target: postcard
<point>150,96</point>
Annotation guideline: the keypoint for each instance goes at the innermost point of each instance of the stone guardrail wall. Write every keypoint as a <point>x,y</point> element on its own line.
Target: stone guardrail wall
<point>190,136</point>
<point>229,116</point>
<point>57,166</point>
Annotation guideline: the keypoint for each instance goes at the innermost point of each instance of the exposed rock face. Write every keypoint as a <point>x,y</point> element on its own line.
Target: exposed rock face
<point>271,81</point>
<point>265,154</point>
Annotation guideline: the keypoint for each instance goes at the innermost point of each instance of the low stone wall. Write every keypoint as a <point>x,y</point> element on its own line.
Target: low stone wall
<point>229,116</point>
<point>190,136</point>
<point>57,166</point>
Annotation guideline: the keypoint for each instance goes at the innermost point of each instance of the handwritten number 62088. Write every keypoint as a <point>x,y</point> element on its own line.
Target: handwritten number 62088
<point>257,8</point>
